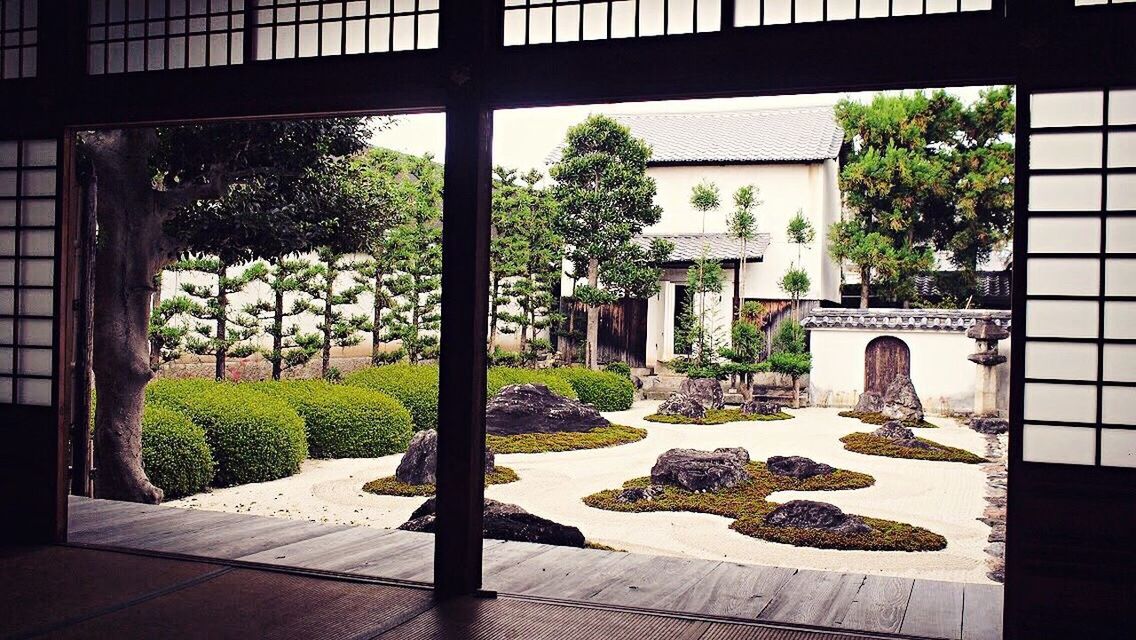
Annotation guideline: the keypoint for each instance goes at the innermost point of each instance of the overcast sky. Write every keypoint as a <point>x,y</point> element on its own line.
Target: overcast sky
<point>522,138</point>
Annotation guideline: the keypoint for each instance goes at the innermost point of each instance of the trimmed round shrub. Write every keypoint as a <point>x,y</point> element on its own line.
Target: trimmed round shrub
<point>499,377</point>
<point>620,367</point>
<point>254,437</point>
<point>175,454</point>
<point>603,390</point>
<point>343,421</point>
<point>414,385</point>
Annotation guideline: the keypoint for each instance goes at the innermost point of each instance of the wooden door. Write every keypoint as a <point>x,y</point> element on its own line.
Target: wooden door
<point>884,358</point>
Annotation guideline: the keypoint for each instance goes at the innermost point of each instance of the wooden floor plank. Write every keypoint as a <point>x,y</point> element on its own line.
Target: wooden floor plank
<point>818,598</point>
<point>735,590</point>
<point>502,557</point>
<point>562,572</point>
<point>935,610</point>
<point>653,579</point>
<point>313,552</point>
<point>982,612</point>
<point>236,539</point>
<point>879,605</point>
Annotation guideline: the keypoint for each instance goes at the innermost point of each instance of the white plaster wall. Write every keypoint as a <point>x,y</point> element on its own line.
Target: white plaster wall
<point>942,375</point>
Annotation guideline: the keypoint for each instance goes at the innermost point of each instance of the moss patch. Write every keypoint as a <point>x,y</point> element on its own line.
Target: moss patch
<point>602,547</point>
<point>390,486</point>
<point>878,418</point>
<point>717,416</point>
<point>874,445</point>
<point>748,505</point>
<point>598,438</point>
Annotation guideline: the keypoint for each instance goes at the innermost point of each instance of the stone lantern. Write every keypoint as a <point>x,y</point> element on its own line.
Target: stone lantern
<point>986,335</point>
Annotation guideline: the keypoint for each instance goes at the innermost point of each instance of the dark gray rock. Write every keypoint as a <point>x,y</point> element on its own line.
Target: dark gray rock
<point>679,404</point>
<point>989,426</point>
<point>419,465</point>
<point>502,521</point>
<point>707,391</point>
<point>798,467</point>
<point>807,514</point>
<point>755,407</point>
<point>533,408</point>
<point>895,431</point>
<point>637,494</point>
<point>696,470</point>
<point>869,402</point>
<point>901,402</point>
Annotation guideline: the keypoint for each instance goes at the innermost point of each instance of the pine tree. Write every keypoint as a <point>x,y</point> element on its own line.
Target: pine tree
<point>336,328</point>
<point>287,278</point>
<point>743,226</point>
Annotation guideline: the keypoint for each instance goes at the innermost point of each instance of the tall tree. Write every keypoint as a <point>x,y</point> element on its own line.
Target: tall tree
<point>704,278</point>
<point>605,199</point>
<point>743,226</point>
<point>506,249</point>
<point>796,281</point>
<point>704,197</point>
<point>149,184</point>
<point>336,327</point>
<point>289,280</point>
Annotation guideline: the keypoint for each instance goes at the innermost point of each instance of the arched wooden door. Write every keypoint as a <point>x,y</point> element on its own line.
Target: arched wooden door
<point>884,358</point>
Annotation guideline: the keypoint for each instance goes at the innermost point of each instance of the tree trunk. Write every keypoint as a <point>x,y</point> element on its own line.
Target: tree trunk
<point>155,300</point>
<point>865,286</point>
<point>328,291</point>
<point>591,355</point>
<point>376,324</point>
<point>278,333</point>
<point>222,321</point>
<point>796,392</point>
<point>131,250</point>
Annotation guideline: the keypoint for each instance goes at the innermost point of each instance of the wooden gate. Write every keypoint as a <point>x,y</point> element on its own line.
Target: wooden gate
<point>884,358</point>
<point>622,331</point>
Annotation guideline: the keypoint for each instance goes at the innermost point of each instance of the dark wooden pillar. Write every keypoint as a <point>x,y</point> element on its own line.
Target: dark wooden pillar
<point>465,302</point>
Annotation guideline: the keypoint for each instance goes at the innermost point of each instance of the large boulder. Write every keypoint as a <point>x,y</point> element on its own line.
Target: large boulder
<point>533,408</point>
<point>895,431</point>
<point>502,521</point>
<point>755,407</point>
<point>869,402</point>
<point>696,470</point>
<point>707,391</point>
<point>679,404</point>
<point>989,425</point>
<point>798,467</point>
<point>419,465</point>
<point>807,514</point>
<point>901,402</point>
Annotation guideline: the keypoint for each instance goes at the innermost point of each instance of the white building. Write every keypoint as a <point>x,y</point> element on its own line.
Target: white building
<point>790,155</point>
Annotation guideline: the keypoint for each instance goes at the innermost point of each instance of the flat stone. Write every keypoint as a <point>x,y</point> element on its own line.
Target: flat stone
<point>808,514</point>
<point>997,533</point>
<point>680,404</point>
<point>996,549</point>
<point>637,494</point>
<point>419,465</point>
<point>503,521</point>
<point>696,470</point>
<point>798,467</point>
<point>533,408</point>
<point>707,391</point>
<point>989,426</point>
<point>901,402</point>
<point>754,407</point>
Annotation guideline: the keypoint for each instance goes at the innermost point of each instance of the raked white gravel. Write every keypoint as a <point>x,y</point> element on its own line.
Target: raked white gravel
<point>945,497</point>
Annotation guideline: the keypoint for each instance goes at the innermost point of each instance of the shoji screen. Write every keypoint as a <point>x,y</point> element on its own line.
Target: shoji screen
<point>27,269</point>
<point>1080,354</point>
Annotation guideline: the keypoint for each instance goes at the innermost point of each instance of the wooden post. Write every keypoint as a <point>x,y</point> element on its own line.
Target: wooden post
<point>465,303</point>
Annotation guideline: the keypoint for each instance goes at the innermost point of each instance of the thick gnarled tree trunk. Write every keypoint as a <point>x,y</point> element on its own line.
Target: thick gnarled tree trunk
<point>129,254</point>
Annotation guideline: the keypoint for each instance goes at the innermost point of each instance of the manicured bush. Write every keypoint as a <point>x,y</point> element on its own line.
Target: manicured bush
<point>343,421</point>
<point>253,436</point>
<point>499,377</point>
<point>175,454</point>
<point>603,390</point>
<point>414,385</point>
<point>620,367</point>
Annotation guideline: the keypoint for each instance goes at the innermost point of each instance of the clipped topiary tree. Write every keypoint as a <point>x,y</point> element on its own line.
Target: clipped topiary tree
<point>604,390</point>
<point>498,378</point>
<point>344,421</point>
<point>175,454</point>
<point>415,386</point>
<point>253,436</point>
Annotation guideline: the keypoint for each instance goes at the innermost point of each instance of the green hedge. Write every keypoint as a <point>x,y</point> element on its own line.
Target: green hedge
<point>498,378</point>
<point>253,436</point>
<point>175,454</point>
<point>604,390</point>
<point>415,386</point>
<point>343,421</point>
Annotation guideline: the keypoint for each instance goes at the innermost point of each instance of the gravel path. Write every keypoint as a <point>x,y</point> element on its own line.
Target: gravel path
<point>942,496</point>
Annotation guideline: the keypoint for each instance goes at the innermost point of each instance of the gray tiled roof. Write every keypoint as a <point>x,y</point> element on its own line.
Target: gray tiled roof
<point>902,319</point>
<point>766,135</point>
<point>720,246</point>
<point>991,284</point>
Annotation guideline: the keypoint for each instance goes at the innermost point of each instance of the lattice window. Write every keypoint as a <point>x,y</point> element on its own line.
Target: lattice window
<point>18,37</point>
<point>27,270</point>
<point>150,35</point>
<point>769,12</point>
<point>309,28</point>
<point>1087,3</point>
<point>1080,354</point>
